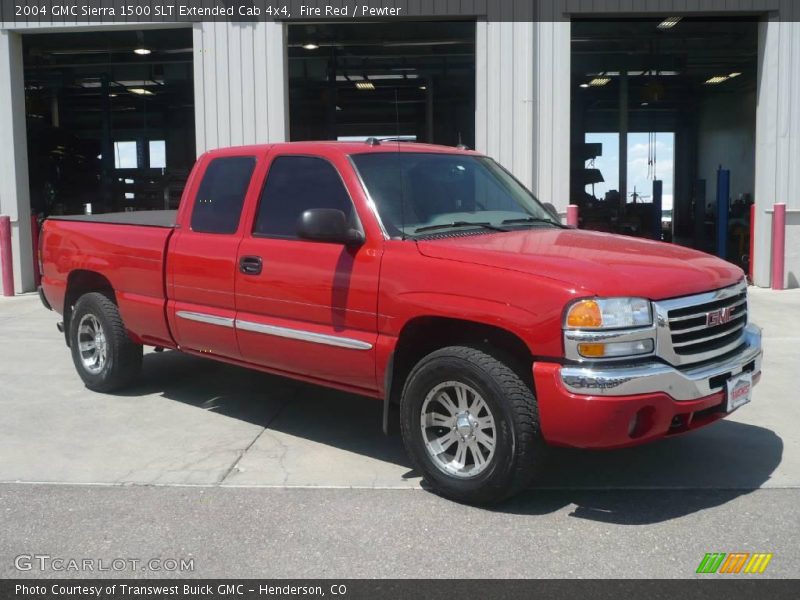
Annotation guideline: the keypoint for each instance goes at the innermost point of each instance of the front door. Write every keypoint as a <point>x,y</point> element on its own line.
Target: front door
<point>306,307</point>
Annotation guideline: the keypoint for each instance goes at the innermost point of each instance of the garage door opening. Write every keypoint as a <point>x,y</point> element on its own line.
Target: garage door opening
<point>413,81</point>
<point>663,129</point>
<point>110,120</point>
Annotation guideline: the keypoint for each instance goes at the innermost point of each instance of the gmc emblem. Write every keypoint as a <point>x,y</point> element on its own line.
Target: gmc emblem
<point>719,317</point>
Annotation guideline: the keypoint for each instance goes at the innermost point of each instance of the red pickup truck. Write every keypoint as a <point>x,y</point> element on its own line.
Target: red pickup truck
<point>423,276</point>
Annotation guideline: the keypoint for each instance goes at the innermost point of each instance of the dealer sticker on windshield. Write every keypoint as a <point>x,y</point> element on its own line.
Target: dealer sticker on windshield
<point>739,389</point>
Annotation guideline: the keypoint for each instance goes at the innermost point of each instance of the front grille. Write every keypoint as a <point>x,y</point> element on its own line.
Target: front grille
<point>702,328</point>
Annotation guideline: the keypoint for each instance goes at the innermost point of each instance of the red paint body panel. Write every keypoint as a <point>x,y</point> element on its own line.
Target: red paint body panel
<point>593,262</point>
<point>579,421</point>
<point>131,258</point>
<point>519,281</point>
<point>322,288</point>
<point>202,267</point>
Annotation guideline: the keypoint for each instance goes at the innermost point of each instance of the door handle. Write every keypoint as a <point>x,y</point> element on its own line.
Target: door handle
<point>250,265</point>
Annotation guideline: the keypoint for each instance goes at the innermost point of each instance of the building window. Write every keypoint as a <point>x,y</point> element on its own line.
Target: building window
<point>125,156</point>
<point>158,154</point>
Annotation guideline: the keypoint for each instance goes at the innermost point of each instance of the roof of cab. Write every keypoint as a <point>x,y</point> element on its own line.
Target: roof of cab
<point>346,148</point>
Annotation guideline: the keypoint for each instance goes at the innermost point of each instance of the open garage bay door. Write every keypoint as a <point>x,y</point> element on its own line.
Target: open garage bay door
<point>110,119</point>
<point>416,81</point>
<point>663,129</point>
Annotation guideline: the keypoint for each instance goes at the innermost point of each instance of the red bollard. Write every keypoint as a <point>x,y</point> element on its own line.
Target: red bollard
<point>752,260</point>
<point>572,216</point>
<point>5,256</point>
<point>37,276</point>
<point>778,245</point>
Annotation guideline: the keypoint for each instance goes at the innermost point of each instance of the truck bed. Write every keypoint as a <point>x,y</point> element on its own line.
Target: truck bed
<point>146,218</point>
<point>128,250</point>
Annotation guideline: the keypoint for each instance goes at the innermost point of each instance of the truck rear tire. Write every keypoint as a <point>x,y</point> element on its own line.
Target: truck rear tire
<point>470,425</point>
<point>105,356</point>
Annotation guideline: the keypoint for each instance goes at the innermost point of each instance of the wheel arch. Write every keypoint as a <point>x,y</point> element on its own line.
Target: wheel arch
<point>80,282</point>
<point>425,334</point>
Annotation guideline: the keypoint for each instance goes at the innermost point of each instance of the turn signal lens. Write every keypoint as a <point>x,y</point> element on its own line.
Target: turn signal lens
<point>592,350</point>
<point>585,313</point>
<point>615,349</point>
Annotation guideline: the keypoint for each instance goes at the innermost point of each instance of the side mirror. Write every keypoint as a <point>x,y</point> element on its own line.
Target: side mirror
<point>551,211</point>
<point>328,225</point>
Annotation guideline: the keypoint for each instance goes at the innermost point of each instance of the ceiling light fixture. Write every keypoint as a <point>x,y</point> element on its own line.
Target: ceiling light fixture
<point>365,85</point>
<point>423,87</point>
<point>310,46</point>
<point>584,85</point>
<point>668,23</point>
<point>142,51</point>
<point>140,91</point>
<point>716,80</point>
<point>734,74</point>
<point>599,81</point>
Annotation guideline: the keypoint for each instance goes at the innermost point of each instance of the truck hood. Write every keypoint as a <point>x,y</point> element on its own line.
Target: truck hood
<point>592,262</point>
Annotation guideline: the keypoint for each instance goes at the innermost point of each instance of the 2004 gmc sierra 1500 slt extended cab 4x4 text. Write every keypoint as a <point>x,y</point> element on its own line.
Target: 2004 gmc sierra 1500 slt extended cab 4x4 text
<point>424,276</point>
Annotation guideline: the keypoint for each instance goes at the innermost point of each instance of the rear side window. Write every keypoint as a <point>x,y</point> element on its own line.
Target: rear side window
<point>295,184</point>
<point>219,200</point>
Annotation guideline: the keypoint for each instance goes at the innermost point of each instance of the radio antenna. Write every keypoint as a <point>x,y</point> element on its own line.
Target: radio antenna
<point>399,167</point>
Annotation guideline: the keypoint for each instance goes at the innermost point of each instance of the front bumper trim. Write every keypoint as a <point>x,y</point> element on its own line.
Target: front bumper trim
<point>681,384</point>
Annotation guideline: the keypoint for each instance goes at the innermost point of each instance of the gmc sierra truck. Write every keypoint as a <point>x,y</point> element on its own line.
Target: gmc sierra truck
<point>426,277</point>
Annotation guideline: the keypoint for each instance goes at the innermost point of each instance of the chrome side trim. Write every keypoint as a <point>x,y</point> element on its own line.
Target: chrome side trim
<point>205,318</point>
<point>305,336</point>
<point>682,384</point>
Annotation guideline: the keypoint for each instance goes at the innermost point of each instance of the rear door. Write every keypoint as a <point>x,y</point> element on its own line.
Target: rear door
<point>308,308</point>
<point>201,264</point>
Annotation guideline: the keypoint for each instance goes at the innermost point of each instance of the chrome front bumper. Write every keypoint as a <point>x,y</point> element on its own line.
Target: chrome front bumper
<point>681,384</point>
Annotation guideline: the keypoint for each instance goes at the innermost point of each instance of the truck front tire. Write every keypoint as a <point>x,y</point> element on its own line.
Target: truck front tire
<point>470,425</point>
<point>105,356</point>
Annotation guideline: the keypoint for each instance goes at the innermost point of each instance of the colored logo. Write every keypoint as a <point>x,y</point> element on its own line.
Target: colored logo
<point>719,316</point>
<point>735,562</point>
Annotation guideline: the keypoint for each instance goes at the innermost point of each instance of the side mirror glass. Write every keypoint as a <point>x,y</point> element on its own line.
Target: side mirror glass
<point>328,225</point>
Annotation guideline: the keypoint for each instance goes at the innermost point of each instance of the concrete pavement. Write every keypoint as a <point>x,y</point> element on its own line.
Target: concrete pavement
<point>255,476</point>
<point>335,533</point>
<point>194,421</point>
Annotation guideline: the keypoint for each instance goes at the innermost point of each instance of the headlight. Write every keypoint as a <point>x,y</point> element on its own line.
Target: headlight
<point>609,313</point>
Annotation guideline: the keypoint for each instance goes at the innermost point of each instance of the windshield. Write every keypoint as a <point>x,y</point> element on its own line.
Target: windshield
<point>418,193</point>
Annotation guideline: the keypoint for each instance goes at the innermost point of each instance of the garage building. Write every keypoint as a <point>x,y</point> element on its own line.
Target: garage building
<point>661,122</point>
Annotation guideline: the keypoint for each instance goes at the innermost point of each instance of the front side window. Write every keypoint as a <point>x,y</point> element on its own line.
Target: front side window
<point>219,201</point>
<point>417,192</point>
<point>296,184</point>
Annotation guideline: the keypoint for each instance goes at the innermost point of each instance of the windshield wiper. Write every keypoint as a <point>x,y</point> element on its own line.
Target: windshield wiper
<point>533,220</point>
<point>459,224</point>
